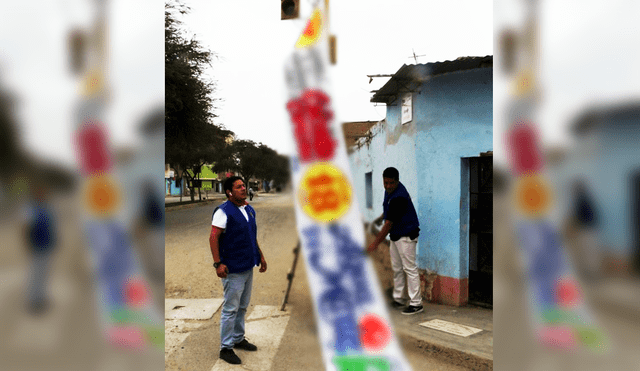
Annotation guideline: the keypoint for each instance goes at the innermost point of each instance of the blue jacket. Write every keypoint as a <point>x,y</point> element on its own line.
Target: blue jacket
<point>408,222</point>
<point>238,244</point>
<point>41,229</point>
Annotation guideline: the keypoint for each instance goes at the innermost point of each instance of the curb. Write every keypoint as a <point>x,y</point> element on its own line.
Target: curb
<point>461,353</point>
<point>450,355</point>
<point>188,204</point>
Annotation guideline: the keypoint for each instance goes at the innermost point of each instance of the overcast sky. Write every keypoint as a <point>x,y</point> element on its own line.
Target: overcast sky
<point>588,54</point>
<point>373,37</point>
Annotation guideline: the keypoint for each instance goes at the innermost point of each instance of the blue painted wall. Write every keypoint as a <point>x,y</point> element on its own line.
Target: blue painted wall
<point>144,166</point>
<point>384,150</point>
<point>452,119</point>
<point>455,120</point>
<point>606,158</point>
<point>171,188</point>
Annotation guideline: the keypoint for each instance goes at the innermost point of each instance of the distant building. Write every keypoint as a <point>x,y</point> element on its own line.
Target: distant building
<point>138,166</point>
<point>355,130</point>
<point>607,158</point>
<point>173,183</point>
<point>438,133</point>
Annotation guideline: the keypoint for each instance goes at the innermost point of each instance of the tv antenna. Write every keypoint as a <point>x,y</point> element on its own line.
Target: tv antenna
<point>415,57</point>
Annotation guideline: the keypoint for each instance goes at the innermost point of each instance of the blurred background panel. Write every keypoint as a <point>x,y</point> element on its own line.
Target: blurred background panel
<point>65,65</point>
<point>566,68</point>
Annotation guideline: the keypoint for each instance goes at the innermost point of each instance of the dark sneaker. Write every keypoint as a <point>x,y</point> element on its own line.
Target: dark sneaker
<point>413,309</point>
<point>397,305</point>
<point>229,356</point>
<point>39,307</point>
<point>245,345</point>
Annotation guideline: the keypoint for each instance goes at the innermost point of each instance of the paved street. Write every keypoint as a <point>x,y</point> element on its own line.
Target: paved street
<point>289,339</point>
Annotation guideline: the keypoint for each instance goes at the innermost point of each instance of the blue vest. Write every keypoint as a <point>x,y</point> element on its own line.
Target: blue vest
<point>41,231</point>
<point>409,221</point>
<point>238,244</point>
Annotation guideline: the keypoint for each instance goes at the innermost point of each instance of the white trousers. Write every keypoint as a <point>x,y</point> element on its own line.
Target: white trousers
<point>589,248</point>
<point>403,261</point>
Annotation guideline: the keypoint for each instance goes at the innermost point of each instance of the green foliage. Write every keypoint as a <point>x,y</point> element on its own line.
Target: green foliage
<point>9,141</point>
<point>256,160</point>
<point>275,166</point>
<point>205,173</point>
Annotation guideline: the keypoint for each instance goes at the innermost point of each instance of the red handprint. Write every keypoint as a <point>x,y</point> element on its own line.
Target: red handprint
<point>311,116</point>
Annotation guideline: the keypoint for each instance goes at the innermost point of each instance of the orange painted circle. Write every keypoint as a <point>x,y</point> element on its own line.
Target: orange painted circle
<point>532,195</point>
<point>101,195</point>
<point>324,193</point>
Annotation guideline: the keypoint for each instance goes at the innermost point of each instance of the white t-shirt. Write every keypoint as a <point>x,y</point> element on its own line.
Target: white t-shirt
<point>220,217</point>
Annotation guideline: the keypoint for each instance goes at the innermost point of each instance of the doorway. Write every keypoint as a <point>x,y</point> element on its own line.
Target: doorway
<point>481,230</point>
<point>635,221</point>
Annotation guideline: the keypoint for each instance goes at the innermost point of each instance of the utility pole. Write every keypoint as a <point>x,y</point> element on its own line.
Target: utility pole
<point>333,47</point>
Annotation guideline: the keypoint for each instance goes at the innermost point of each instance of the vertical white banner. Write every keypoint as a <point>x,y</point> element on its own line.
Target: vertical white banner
<point>352,318</point>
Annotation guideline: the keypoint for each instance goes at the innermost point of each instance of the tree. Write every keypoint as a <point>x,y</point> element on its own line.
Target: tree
<point>242,156</point>
<point>191,137</point>
<point>10,150</point>
<point>281,174</point>
<point>18,163</point>
<point>249,158</point>
<point>207,188</point>
<point>252,159</point>
<point>274,166</point>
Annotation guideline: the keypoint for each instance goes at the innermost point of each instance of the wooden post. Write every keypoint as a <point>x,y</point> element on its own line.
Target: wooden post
<point>296,253</point>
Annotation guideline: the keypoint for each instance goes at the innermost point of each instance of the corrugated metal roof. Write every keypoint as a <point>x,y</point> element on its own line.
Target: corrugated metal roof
<point>590,119</point>
<point>354,130</point>
<point>410,77</point>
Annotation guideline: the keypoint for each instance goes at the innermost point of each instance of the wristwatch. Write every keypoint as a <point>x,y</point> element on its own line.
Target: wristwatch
<point>216,265</point>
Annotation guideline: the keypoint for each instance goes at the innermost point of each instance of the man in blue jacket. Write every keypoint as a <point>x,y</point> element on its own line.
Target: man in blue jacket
<point>41,234</point>
<point>402,225</point>
<point>235,250</point>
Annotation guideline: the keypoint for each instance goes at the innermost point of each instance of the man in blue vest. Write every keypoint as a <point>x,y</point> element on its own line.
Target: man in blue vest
<point>41,234</point>
<point>234,246</point>
<point>401,223</point>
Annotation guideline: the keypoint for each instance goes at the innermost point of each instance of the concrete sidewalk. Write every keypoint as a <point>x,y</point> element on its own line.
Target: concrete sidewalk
<point>614,301</point>
<point>454,339</point>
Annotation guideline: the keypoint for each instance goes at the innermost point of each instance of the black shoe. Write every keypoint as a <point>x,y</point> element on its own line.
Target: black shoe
<point>229,356</point>
<point>413,309</point>
<point>397,305</point>
<point>245,345</point>
<point>39,307</point>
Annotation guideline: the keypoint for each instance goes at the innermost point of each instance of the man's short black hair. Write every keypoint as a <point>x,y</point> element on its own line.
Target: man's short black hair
<point>391,172</point>
<point>228,184</point>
